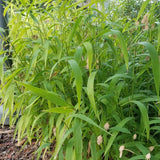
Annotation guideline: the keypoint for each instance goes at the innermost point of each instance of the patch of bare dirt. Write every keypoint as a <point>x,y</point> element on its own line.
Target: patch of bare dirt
<point>10,149</point>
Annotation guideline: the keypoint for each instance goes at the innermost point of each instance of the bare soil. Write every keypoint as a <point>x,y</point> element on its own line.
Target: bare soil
<point>10,149</point>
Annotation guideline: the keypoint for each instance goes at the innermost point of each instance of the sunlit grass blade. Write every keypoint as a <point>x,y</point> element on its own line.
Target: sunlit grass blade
<point>51,96</point>
<point>155,64</point>
<point>46,49</point>
<point>89,50</point>
<point>77,134</point>
<point>144,5</point>
<point>90,93</point>
<point>78,77</point>
<point>55,65</point>
<point>36,51</point>
<point>60,110</point>
<point>115,133</point>
<point>34,18</point>
<point>60,140</point>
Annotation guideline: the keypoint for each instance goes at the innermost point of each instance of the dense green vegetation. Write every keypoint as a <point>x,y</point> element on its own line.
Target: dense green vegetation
<point>85,79</point>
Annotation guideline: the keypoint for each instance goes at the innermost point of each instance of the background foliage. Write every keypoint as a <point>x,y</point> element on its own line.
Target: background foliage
<point>84,79</point>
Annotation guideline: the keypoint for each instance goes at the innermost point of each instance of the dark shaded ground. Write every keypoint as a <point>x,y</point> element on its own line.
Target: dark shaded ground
<point>11,150</point>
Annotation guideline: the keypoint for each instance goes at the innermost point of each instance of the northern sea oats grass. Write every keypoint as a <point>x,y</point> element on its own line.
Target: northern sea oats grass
<point>85,79</point>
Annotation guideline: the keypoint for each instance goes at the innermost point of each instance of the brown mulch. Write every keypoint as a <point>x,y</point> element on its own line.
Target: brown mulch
<point>10,149</point>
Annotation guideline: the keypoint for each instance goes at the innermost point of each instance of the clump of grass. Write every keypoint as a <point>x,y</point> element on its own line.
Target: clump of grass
<point>85,79</point>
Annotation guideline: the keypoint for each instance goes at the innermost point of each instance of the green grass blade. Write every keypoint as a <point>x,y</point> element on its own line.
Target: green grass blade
<point>1,71</point>
<point>59,47</point>
<point>69,149</point>
<point>51,96</point>
<point>158,23</point>
<point>115,133</point>
<point>10,77</point>
<point>142,148</point>
<point>89,50</point>
<point>144,5</point>
<point>74,28</point>
<point>34,18</point>
<point>78,54</point>
<point>155,64</point>
<point>61,138</point>
<point>90,92</point>
<point>144,114</point>
<point>120,129</point>
<point>93,147</point>
<point>36,51</point>
<point>118,76</point>
<point>46,48</point>
<point>123,45</point>
<point>88,120</point>
<point>77,135</point>
<point>137,157</point>
<point>60,110</point>
<point>78,77</point>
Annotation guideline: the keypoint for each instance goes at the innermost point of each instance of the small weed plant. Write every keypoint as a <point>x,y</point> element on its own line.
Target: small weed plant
<point>84,79</point>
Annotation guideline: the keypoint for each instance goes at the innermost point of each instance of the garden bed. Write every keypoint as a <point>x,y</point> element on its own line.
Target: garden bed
<point>11,150</point>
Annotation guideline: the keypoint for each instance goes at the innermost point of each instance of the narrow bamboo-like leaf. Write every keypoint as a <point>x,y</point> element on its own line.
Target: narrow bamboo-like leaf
<point>59,47</point>
<point>78,54</point>
<point>36,51</point>
<point>60,110</point>
<point>54,66</point>
<point>61,138</point>
<point>155,64</point>
<point>93,147</point>
<point>158,23</point>
<point>90,121</point>
<point>121,129</point>
<point>34,18</point>
<point>142,148</point>
<point>1,71</point>
<point>46,48</point>
<point>13,74</point>
<point>69,149</point>
<point>115,133</point>
<point>77,134</point>
<point>144,114</point>
<point>89,49</point>
<point>118,76</point>
<point>123,45</point>
<point>74,28</point>
<point>6,9</point>
<point>78,77</point>
<point>137,157</point>
<point>60,155</point>
<point>90,92</point>
<point>144,5</point>
<point>43,146</point>
<point>36,120</point>
<point>51,96</point>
